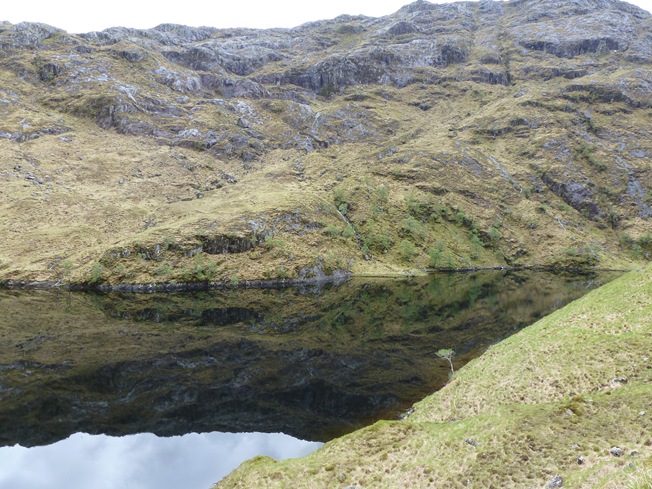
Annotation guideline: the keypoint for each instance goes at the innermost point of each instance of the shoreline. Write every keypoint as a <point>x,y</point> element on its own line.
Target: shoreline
<point>339,277</point>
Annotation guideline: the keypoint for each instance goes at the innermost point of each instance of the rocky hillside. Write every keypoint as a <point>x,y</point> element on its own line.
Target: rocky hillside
<point>442,136</point>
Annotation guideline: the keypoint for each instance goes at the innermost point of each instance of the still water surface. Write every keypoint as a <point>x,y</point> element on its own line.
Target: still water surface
<point>140,461</point>
<point>145,373</point>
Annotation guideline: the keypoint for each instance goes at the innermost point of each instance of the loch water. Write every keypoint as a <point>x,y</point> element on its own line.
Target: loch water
<point>176,389</point>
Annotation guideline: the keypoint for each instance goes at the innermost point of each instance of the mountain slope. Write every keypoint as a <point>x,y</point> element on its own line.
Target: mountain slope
<point>442,136</point>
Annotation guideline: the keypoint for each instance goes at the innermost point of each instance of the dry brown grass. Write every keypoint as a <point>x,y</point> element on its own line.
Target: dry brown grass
<point>470,153</point>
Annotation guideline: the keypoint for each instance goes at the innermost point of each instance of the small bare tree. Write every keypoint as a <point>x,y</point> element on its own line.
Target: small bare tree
<point>447,354</point>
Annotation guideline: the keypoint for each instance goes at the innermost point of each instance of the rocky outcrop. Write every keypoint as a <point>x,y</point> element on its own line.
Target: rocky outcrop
<point>220,245</point>
<point>576,194</point>
<point>28,35</point>
<point>164,34</point>
<point>390,50</point>
<point>416,44</point>
<point>236,57</point>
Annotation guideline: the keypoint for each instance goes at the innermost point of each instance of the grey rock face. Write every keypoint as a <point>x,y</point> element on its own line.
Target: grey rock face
<point>401,27</point>
<point>239,57</point>
<point>577,195</point>
<point>410,46</point>
<point>164,34</point>
<point>29,34</point>
<point>635,190</point>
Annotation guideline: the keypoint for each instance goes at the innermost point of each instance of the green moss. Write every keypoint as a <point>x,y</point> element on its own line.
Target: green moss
<point>407,250</point>
<point>97,270</point>
<point>332,231</point>
<point>164,270</point>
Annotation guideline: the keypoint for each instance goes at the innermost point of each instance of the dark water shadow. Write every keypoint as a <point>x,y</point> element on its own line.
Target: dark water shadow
<point>313,365</point>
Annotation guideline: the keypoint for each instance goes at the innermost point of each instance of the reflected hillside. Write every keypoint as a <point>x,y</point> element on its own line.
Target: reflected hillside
<point>310,363</point>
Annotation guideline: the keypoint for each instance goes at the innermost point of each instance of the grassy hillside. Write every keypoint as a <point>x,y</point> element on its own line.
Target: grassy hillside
<point>442,136</point>
<point>552,400</point>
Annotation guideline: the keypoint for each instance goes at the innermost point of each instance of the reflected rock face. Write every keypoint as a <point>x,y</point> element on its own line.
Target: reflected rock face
<point>312,365</point>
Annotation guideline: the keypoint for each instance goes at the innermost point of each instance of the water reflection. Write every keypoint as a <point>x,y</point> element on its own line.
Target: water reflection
<point>312,364</point>
<point>144,461</point>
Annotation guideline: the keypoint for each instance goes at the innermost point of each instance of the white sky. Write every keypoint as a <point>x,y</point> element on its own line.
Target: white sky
<point>78,16</point>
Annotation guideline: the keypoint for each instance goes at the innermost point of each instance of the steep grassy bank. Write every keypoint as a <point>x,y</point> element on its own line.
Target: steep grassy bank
<point>551,401</point>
